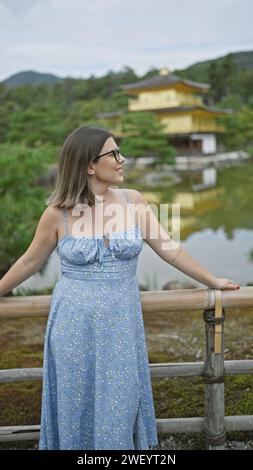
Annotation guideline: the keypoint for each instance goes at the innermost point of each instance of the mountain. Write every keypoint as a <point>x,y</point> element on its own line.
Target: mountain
<point>30,78</point>
<point>199,70</point>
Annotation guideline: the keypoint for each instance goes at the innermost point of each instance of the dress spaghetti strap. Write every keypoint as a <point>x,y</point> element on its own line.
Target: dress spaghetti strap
<point>130,205</point>
<point>65,221</point>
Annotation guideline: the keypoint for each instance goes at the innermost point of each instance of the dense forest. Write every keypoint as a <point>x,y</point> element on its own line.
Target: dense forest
<point>43,111</point>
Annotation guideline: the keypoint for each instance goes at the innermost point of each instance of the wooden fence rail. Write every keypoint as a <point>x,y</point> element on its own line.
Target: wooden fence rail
<point>214,424</point>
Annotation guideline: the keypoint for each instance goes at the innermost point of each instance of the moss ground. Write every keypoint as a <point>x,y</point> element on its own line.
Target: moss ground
<point>173,337</point>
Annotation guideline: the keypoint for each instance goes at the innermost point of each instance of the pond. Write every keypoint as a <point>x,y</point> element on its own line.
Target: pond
<point>222,256</point>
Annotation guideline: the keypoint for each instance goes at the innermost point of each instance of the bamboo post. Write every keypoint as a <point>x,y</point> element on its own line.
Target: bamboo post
<point>218,326</point>
<point>213,375</point>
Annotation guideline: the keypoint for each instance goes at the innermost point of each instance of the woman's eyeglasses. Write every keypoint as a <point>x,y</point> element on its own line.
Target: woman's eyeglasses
<point>116,154</point>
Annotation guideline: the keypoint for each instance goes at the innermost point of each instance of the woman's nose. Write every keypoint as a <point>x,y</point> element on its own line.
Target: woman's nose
<point>126,161</point>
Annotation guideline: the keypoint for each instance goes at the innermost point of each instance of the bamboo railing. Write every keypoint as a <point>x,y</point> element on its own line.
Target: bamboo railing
<point>214,424</point>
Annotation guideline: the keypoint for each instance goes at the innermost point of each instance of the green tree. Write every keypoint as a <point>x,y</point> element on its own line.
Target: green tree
<point>239,129</point>
<point>223,77</point>
<point>37,125</point>
<point>143,135</point>
<point>21,199</point>
<point>245,86</point>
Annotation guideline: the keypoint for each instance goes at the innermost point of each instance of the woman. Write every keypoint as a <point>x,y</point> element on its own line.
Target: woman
<point>96,381</point>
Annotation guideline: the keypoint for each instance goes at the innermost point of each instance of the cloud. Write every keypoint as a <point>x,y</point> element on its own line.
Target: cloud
<point>84,37</point>
<point>19,8</point>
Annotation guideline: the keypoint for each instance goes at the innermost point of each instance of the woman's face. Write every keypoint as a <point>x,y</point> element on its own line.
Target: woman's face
<point>106,169</point>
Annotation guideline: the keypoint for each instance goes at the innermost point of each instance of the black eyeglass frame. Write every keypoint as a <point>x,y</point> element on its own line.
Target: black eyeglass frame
<point>115,152</point>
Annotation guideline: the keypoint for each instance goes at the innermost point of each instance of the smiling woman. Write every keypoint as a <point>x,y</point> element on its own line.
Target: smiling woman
<point>94,332</point>
<point>89,163</point>
<point>97,390</point>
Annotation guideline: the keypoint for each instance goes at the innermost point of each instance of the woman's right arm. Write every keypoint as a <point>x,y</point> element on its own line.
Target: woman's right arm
<point>42,245</point>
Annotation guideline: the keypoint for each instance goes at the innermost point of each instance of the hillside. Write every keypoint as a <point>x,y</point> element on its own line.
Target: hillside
<point>199,70</point>
<point>31,78</point>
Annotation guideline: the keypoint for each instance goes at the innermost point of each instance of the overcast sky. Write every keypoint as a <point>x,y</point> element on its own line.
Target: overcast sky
<point>82,37</point>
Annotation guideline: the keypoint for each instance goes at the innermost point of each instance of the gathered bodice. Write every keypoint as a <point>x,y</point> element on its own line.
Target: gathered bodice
<point>92,258</point>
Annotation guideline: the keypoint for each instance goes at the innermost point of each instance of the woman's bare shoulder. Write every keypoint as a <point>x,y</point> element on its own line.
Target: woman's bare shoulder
<point>52,211</point>
<point>134,196</point>
<point>52,215</point>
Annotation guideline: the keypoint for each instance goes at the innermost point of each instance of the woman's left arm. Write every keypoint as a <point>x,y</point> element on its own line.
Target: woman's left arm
<point>173,253</point>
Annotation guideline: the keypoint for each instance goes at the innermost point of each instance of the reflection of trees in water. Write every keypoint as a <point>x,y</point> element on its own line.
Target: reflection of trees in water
<point>230,210</point>
<point>235,202</point>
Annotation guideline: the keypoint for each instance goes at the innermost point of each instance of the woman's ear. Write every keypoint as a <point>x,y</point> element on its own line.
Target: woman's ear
<point>90,170</point>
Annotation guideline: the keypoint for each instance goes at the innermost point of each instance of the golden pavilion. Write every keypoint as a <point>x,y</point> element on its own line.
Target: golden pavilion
<point>191,126</point>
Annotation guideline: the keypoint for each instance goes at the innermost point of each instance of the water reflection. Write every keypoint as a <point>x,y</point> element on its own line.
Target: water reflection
<point>223,256</point>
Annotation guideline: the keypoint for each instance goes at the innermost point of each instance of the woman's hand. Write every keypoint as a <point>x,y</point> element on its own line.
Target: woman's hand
<point>221,284</point>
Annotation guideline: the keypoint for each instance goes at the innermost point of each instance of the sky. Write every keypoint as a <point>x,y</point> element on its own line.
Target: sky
<point>80,38</point>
